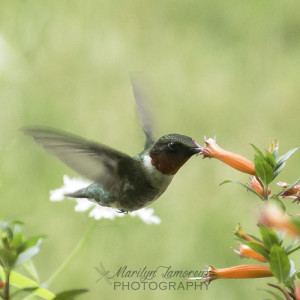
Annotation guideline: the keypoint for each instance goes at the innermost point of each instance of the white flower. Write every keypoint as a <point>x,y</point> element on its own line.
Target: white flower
<point>96,211</point>
<point>146,214</point>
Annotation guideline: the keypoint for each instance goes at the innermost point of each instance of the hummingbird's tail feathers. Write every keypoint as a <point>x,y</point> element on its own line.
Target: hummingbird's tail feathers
<point>94,192</point>
<point>78,194</point>
<point>142,104</point>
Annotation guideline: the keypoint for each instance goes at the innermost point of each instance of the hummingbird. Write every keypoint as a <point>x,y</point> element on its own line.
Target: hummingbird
<point>119,180</point>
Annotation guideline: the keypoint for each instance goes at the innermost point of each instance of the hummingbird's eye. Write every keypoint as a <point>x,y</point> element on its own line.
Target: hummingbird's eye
<point>172,146</point>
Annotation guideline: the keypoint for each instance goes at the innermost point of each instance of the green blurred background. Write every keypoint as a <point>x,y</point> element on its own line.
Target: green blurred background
<point>229,68</point>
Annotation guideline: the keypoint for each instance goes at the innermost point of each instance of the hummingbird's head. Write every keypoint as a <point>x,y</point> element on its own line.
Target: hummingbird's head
<point>172,151</point>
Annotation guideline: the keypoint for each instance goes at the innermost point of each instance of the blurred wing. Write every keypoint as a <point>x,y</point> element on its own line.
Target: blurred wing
<point>96,162</point>
<point>141,104</point>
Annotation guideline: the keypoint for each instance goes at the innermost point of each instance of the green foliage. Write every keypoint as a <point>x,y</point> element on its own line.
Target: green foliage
<point>70,295</point>
<point>31,270</point>
<point>267,167</point>
<point>26,290</point>
<point>281,160</point>
<point>247,187</point>
<point>22,282</point>
<point>16,250</point>
<point>279,264</point>
<point>269,237</point>
<point>270,246</point>
<point>263,169</point>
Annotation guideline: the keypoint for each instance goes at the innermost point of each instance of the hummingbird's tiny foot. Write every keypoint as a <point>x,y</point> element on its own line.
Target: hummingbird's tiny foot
<point>121,211</point>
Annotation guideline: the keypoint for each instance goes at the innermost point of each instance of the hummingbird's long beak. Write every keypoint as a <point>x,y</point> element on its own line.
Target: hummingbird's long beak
<point>196,150</point>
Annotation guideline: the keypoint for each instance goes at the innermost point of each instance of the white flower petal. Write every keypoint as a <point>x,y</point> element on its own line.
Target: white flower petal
<point>146,214</point>
<point>99,212</point>
<point>83,204</point>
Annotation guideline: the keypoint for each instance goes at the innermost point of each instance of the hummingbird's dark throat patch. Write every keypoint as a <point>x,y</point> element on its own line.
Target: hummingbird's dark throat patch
<point>168,163</point>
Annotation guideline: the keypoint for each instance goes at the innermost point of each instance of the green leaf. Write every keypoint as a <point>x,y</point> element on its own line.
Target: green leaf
<point>259,153</point>
<point>16,222</point>
<point>8,258</point>
<point>269,237</point>
<point>20,281</point>
<point>280,160</point>
<point>31,269</point>
<point>275,153</point>
<point>3,225</point>
<point>28,254</point>
<point>33,240</point>
<point>270,160</point>
<point>70,295</point>
<point>243,185</point>
<point>279,169</point>
<point>17,242</point>
<point>29,289</point>
<point>17,229</point>
<point>290,246</point>
<point>279,264</point>
<point>8,232</point>
<point>263,170</point>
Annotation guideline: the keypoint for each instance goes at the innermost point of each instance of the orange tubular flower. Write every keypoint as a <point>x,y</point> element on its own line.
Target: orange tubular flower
<point>247,252</point>
<point>238,162</point>
<point>274,217</point>
<point>257,186</point>
<point>237,272</point>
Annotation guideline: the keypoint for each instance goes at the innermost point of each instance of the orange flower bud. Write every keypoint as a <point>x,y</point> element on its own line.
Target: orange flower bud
<point>238,162</point>
<point>257,186</point>
<point>237,272</point>
<point>294,192</point>
<point>1,284</point>
<point>247,252</point>
<point>239,232</point>
<point>274,217</point>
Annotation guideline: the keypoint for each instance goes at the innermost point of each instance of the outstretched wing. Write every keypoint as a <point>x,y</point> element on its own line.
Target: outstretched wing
<point>141,104</point>
<point>95,161</point>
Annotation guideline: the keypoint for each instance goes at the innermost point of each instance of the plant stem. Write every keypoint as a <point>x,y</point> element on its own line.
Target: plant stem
<point>6,286</point>
<point>73,255</point>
